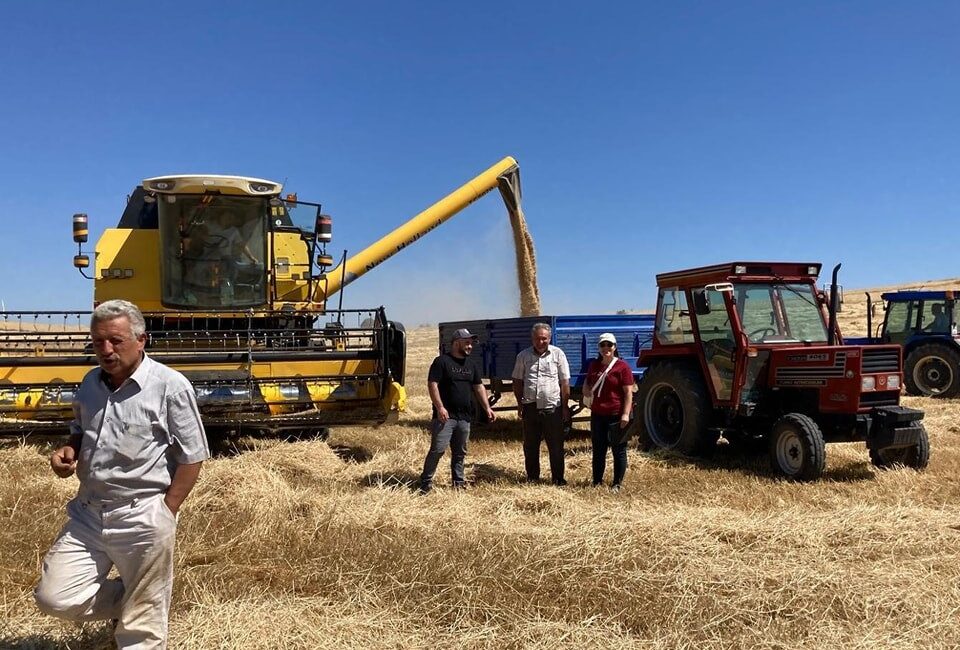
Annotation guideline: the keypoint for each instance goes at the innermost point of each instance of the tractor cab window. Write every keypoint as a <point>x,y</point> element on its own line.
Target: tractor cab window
<point>934,317</point>
<point>718,344</point>
<point>214,251</point>
<point>780,313</point>
<point>673,318</point>
<point>900,321</point>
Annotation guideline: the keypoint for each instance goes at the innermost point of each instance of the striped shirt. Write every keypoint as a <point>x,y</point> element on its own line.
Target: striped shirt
<point>135,437</point>
<point>541,375</point>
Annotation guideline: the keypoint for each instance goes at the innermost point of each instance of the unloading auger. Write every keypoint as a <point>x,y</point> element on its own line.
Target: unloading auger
<point>235,292</point>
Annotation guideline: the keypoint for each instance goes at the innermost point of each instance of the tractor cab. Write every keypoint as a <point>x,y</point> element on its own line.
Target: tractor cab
<point>750,350</point>
<point>917,313</point>
<point>739,314</point>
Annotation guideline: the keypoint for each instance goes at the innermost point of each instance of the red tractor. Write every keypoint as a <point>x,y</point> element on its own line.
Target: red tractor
<point>752,351</point>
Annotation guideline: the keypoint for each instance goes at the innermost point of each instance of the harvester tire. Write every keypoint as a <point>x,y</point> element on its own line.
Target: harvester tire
<point>674,410</point>
<point>797,449</point>
<point>933,369</point>
<point>915,457</point>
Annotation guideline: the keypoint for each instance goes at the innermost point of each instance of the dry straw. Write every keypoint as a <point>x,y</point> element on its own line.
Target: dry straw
<point>316,545</point>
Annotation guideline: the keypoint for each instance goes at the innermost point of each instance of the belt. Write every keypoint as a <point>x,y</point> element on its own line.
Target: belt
<point>110,506</point>
<point>533,405</point>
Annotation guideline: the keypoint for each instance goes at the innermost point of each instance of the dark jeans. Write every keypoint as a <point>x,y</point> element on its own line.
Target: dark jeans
<point>599,432</point>
<point>547,425</point>
<point>453,434</point>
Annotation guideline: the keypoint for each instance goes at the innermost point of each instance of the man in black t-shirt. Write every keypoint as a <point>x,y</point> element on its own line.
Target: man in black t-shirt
<point>452,382</point>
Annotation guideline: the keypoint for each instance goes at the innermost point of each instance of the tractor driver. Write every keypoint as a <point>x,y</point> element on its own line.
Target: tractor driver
<point>940,321</point>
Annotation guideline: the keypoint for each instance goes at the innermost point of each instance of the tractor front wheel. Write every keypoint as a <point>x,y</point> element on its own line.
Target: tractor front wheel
<point>916,456</point>
<point>932,370</point>
<point>797,449</point>
<point>674,409</point>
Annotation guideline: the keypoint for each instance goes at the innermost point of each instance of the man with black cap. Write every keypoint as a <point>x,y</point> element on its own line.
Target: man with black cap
<point>452,382</point>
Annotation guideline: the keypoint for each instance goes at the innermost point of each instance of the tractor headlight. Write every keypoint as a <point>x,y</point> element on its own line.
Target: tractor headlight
<point>893,382</point>
<point>868,383</point>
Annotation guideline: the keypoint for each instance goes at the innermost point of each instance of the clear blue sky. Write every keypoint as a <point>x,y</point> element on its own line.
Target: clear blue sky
<point>651,137</point>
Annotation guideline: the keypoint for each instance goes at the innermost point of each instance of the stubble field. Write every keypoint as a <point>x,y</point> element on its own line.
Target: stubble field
<point>326,545</point>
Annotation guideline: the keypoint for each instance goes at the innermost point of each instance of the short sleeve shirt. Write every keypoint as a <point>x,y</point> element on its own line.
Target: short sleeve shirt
<point>134,437</point>
<point>541,375</point>
<point>609,400</point>
<point>455,380</point>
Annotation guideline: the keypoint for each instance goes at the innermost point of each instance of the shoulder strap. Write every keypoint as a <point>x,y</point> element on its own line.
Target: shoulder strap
<point>596,387</point>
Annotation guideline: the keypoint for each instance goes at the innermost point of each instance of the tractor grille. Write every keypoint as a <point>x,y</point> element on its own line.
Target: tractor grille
<point>880,398</point>
<point>881,360</point>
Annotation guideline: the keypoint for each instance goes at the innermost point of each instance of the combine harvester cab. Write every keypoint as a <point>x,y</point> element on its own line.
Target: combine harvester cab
<point>750,350</point>
<point>924,323</point>
<point>234,282</point>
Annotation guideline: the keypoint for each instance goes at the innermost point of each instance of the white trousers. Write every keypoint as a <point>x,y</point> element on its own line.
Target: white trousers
<point>138,538</point>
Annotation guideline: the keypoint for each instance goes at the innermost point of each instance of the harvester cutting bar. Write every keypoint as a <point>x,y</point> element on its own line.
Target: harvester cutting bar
<point>66,335</point>
<point>245,367</point>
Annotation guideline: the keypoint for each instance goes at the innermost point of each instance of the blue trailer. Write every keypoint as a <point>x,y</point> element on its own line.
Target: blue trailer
<point>501,339</point>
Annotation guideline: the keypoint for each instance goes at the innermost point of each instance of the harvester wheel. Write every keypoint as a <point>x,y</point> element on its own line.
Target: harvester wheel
<point>797,449</point>
<point>932,369</point>
<point>674,410</point>
<point>916,456</point>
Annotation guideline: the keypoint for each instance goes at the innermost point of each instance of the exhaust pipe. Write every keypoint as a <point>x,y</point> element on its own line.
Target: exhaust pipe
<point>834,302</point>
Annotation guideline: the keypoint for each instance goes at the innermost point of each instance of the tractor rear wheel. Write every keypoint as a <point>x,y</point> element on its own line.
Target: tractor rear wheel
<point>933,369</point>
<point>797,449</point>
<point>674,409</point>
<point>916,456</point>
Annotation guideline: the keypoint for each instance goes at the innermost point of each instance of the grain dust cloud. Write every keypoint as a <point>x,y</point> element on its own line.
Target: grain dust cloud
<point>509,184</point>
<point>526,265</point>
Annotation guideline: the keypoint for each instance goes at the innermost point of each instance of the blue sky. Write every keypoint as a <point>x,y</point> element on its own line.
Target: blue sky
<point>651,137</point>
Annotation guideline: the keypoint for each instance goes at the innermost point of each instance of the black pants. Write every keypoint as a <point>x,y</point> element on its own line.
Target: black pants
<point>600,433</point>
<point>547,425</point>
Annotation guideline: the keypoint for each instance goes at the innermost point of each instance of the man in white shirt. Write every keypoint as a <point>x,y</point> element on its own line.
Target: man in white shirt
<point>137,445</point>
<point>541,384</point>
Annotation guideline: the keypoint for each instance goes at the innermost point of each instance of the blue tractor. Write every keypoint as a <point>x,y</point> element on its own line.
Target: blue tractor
<point>925,324</point>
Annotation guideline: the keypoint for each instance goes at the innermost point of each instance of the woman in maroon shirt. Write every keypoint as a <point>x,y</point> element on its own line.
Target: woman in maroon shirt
<point>611,381</point>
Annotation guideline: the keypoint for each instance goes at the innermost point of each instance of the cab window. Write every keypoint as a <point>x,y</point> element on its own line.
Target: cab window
<point>673,318</point>
<point>900,321</point>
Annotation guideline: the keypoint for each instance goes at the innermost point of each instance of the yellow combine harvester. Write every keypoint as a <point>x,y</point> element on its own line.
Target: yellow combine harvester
<point>235,296</point>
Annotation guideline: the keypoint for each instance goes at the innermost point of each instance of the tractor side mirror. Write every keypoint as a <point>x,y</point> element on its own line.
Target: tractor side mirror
<point>701,302</point>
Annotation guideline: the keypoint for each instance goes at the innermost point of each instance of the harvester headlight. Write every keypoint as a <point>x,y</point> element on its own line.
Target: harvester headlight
<point>163,186</point>
<point>261,187</point>
<point>893,382</point>
<point>868,383</point>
